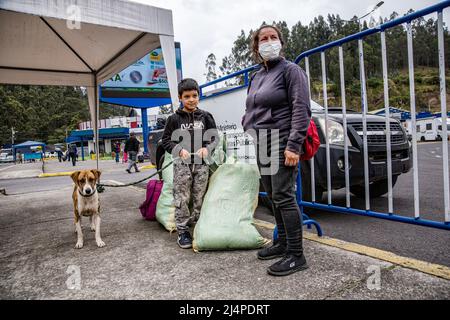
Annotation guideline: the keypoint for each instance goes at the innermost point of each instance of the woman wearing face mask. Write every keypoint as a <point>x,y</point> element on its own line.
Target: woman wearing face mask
<point>278,102</point>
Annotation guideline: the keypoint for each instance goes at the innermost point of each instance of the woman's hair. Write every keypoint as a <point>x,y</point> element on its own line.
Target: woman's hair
<point>255,41</point>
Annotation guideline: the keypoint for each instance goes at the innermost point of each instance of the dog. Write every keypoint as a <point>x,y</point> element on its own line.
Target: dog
<point>86,203</point>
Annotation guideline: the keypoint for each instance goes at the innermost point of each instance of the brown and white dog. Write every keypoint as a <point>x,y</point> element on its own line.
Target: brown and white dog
<point>86,203</point>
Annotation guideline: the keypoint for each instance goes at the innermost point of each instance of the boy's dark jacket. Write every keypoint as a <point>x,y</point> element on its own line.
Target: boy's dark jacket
<point>192,124</point>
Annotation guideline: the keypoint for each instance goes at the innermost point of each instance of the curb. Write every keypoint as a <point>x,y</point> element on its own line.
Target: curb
<point>57,174</point>
<point>147,167</point>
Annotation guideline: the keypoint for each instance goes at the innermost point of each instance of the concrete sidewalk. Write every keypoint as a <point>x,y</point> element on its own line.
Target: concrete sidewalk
<point>142,261</point>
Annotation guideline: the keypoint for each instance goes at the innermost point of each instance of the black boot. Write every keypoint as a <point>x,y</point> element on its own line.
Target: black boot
<point>275,251</point>
<point>289,264</point>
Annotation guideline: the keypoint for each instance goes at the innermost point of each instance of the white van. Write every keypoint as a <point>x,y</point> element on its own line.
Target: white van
<point>430,129</point>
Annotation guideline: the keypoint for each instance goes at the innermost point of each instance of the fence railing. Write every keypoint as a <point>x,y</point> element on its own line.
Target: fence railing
<point>359,37</point>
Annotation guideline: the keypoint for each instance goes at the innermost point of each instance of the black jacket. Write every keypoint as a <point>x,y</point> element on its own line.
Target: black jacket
<point>132,144</point>
<point>278,98</point>
<point>192,126</point>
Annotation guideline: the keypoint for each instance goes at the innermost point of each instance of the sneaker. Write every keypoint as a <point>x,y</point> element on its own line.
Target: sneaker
<point>289,264</point>
<point>127,170</point>
<point>138,170</point>
<point>272,252</point>
<point>184,240</point>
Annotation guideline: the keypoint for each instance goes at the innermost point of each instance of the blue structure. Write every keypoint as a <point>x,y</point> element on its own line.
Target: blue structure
<point>406,115</point>
<point>105,133</point>
<point>25,148</point>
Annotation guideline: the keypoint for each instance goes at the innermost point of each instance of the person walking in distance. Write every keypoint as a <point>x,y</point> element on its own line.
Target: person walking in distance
<point>132,149</point>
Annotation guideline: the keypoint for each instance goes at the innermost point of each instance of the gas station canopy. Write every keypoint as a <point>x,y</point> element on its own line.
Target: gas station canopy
<point>80,42</point>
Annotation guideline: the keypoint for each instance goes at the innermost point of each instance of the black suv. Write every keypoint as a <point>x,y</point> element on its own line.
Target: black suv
<point>377,153</point>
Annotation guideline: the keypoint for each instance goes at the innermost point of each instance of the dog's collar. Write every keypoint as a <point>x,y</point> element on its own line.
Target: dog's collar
<point>87,196</point>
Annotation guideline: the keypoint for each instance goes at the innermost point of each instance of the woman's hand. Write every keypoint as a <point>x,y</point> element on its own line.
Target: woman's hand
<point>292,158</point>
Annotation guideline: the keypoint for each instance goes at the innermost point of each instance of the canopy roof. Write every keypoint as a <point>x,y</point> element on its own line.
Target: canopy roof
<point>81,42</point>
<point>77,43</point>
<point>28,144</point>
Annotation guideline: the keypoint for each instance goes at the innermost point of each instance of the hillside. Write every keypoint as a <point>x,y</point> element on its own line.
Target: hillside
<point>426,88</point>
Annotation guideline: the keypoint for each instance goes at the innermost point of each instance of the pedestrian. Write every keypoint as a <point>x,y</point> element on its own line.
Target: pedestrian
<point>60,154</point>
<point>117,151</point>
<point>132,148</point>
<point>278,101</point>
<point>191,126</point>
<point>73,153</point>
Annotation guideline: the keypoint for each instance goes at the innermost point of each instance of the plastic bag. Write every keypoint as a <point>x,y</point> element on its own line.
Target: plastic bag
<point>165,210</point>
<point>227,213</point>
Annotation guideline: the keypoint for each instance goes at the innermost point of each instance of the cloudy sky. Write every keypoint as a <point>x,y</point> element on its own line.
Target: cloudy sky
<point>211,26</point>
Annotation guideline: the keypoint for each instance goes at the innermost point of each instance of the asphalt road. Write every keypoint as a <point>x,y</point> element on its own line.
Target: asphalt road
<point>407,240</point>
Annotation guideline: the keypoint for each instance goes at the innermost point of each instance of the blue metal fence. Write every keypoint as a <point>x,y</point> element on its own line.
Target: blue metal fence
<point>416,220</point>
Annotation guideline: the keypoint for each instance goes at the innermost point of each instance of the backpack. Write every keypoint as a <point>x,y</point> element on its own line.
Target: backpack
<point>148,207</point>
<point>311,143</point>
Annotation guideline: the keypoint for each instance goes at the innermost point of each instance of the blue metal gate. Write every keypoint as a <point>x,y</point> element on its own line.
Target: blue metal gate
<point>359,37</point>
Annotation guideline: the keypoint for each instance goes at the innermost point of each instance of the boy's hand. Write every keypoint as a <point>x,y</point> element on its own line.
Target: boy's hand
<point>184,154</point>
<point>202,153</point>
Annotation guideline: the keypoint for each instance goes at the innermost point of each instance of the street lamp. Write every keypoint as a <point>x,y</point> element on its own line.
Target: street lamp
<point>378,5</point>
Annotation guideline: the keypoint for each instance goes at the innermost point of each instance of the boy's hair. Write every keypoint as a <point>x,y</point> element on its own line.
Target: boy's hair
<point>187,84</point>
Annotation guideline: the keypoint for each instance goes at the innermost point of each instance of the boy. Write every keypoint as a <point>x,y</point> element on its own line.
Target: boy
<point>190,135</point>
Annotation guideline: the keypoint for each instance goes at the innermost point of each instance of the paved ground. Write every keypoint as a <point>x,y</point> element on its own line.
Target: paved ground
<point>142,261</point>
<point>421,243</point>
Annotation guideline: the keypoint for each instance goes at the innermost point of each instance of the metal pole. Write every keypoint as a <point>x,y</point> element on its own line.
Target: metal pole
<point>311,161</point>
<point>364,114</point>
<point>145,129</point>
<point>443,115</point>
<point>388,124</point>
<point>325,105</point>
<point>97,111</point>
<point>344,114</point>
<point>413,119</point>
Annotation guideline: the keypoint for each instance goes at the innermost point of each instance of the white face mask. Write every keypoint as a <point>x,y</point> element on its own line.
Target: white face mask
<point>270,50</point>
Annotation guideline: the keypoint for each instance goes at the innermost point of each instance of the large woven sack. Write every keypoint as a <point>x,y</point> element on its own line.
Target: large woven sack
<point>226,218</point>
<point>165,210</point>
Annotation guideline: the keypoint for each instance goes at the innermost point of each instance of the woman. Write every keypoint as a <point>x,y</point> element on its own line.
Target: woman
<point>278,102</point>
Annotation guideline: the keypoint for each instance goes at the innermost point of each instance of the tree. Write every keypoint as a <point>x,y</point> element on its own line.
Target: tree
<point>210,66</point>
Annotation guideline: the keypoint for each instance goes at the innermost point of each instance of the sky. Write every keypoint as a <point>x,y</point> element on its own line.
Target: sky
<point>211,26</point>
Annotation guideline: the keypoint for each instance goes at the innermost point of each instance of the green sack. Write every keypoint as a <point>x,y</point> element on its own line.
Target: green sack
<point>165,210</point>
<point>227,213</point>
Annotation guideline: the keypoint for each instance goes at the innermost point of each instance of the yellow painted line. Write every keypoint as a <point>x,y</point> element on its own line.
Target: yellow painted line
<point>56,174</point>
<point>410,263</point>
<point>150,166</point>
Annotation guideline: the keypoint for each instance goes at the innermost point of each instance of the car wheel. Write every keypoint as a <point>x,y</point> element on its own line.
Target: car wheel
<point>376,189</point>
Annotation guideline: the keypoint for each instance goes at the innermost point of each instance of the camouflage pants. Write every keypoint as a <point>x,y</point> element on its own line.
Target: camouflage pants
<point>188,180</point>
